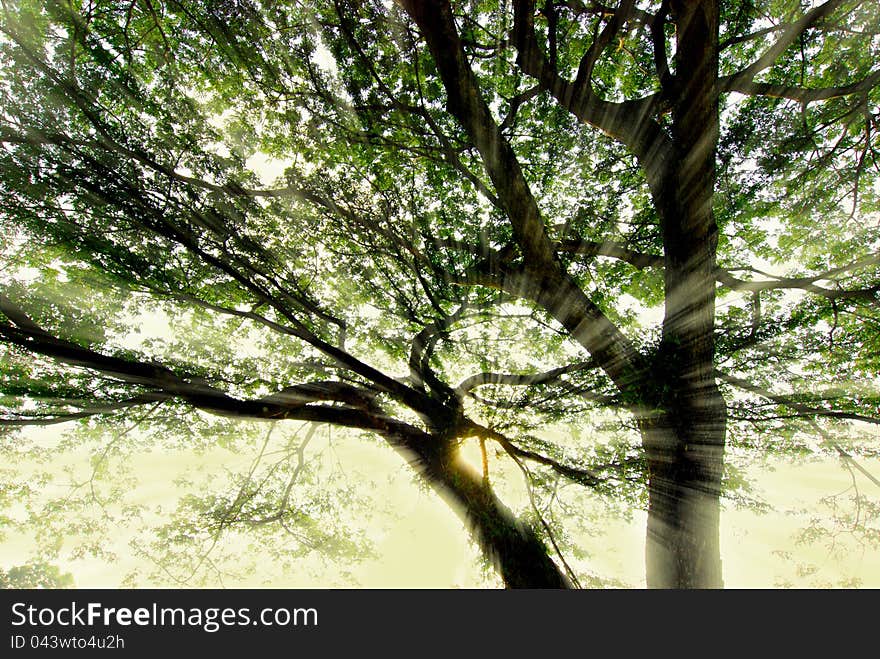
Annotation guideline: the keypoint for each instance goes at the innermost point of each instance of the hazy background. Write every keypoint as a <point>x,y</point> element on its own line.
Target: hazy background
<point>419,542</point>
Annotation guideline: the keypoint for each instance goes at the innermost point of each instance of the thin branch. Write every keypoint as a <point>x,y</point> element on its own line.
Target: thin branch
<point>844,455</point>
<point>804,95</point>
<point>528,480</point>
<point>787,401</point>
<point>546,377</point>
<point>789,36</point>
<point>582,476</point>
<point>88,411</point>
<point>610,249</point>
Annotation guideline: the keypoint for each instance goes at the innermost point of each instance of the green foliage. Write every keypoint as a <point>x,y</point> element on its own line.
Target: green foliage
<point>137,221</point>
<point>37,575</point>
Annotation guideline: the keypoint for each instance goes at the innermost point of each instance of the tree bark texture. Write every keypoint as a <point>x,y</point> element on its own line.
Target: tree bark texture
<point>684,435</point>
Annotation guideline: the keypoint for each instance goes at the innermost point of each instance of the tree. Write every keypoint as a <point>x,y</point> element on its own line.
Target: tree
<point>540,170</point>
<point>38,575</point>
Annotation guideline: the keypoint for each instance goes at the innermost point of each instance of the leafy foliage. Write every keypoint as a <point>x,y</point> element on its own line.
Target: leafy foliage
<point>268,211</point>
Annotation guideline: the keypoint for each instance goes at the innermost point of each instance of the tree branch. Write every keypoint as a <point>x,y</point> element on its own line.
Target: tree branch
<point>629,122</point>
<point>582,476</point>
<point>547,377</point>
<point>583,81</point>
<point>614,250</point>
<point>546,282</point>
<point>868,294</point>
<point>108,407</point>
<point>789,36</point>
<point>358,408</point>
<point>422,349</point>
<point>737,83</point>
<point>803,410</point>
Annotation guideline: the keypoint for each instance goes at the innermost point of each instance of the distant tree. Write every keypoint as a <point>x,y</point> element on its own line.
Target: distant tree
<point>479,201</point>
<point>35,575</point>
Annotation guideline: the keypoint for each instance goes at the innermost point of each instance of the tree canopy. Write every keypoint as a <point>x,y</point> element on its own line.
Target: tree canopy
<point>603,243</point>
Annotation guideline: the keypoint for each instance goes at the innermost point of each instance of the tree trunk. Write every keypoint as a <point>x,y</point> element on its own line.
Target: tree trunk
<point>684,437</point>
<point>685,461</point>
<point>514,548</point>
<point>518,554</point>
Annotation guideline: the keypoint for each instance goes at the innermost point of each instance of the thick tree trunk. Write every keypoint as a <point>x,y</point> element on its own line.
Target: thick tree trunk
<point>685,450</point>
<point>684,438</point>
